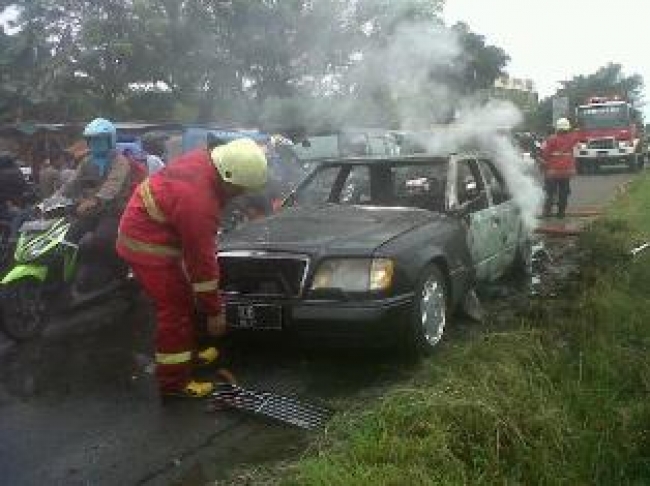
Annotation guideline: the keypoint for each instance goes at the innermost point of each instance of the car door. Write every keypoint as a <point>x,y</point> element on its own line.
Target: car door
<point>507,213</point>
<point>473,202</point>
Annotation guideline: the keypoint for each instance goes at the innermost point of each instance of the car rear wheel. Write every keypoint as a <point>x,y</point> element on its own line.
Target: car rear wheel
<point>430,312</point>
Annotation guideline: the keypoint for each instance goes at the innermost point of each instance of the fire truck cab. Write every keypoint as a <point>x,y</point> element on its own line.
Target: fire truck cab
<point>607,134</point>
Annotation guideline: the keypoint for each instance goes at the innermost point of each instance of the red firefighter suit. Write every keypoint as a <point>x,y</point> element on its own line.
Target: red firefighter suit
<point>167,235</point>
<point>559,167</point>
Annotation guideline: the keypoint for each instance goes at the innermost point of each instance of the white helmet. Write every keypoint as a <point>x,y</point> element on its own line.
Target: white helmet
<point>562,125</point>
<point>242,163</point>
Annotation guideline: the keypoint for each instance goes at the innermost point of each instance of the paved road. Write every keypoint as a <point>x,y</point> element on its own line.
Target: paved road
<point>78,406</point>
<point>596,190</point>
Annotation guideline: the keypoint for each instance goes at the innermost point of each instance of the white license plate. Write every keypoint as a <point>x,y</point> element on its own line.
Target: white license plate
<point>254,316</point>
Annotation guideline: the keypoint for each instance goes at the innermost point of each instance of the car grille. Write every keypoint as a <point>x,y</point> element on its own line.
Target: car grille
<point>268,274</point>
<point>601,143</point>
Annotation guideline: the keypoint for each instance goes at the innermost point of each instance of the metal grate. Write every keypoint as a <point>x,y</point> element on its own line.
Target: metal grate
<point>285,409</point>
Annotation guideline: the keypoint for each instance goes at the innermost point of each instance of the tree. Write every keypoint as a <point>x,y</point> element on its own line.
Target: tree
<point>482,63</point>
<point>381,62</point>
<point>26,80</point>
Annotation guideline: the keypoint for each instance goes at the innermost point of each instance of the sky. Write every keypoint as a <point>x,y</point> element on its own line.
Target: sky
<point>553,40</point>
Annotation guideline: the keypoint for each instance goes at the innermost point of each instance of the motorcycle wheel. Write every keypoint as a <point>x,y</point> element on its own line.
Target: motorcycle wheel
<point>23,309</point>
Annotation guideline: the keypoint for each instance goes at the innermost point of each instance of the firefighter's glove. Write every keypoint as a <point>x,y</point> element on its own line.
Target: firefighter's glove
<point>217,326</point>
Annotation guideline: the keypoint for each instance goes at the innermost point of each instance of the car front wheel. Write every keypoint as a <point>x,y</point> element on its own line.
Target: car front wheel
<point>430,314</point>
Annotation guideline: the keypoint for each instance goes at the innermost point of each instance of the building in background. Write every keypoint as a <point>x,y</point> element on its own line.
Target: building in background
<point>522,92</point>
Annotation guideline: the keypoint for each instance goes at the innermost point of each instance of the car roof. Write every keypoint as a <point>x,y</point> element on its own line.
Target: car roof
<point>394,159</point>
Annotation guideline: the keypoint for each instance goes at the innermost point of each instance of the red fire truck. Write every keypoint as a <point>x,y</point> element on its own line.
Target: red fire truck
<point>608,133</point>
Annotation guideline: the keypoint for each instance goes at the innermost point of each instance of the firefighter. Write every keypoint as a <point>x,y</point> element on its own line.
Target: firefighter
<point>167,236</point>
<point>558,165</point>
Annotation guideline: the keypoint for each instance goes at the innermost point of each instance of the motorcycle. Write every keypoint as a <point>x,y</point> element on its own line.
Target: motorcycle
<point>45,279</point>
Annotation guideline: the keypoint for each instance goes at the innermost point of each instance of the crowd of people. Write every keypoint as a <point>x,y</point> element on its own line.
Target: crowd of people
<point>134,211</point>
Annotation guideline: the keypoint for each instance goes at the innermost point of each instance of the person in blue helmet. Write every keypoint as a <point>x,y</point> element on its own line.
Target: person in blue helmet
<point>102,185</point>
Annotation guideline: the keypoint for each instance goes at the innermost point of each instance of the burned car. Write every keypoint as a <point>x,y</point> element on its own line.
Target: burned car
<point>375,250</point>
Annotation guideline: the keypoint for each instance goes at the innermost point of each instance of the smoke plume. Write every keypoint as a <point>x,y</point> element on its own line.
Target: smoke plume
<point>411,79</point>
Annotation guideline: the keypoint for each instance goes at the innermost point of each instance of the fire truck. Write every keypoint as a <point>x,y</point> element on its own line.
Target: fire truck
<point>608,133</point>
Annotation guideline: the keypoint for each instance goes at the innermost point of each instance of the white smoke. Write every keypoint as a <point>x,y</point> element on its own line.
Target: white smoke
<point>485,128</point>
<point>417,66</point>
<point>414,72</point>
<point>411,68</point>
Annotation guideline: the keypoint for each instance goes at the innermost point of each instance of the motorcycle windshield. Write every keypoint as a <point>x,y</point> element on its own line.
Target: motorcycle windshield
<point>37,226</point>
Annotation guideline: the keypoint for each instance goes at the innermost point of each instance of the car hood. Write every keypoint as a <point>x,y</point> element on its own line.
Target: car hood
<point>345,229</point>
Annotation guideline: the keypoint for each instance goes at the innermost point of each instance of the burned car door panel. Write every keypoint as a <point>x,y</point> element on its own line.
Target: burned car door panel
<point>508,212</point>
<point>483,220</point>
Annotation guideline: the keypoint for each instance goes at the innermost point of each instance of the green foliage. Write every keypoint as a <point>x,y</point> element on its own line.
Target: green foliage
<point>609,80</point>
<point>484,63</point>
<point>608,243</point>
<point>559,397</point>
<point>216,59</point>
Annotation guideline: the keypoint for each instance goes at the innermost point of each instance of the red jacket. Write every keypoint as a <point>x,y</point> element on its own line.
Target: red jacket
<point>174,215</point>
<point>557,154</point>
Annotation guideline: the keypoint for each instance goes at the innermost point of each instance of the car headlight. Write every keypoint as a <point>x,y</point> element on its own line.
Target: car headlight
<point>624,143</point>
<point>582,146</point>
<point>354,274</point>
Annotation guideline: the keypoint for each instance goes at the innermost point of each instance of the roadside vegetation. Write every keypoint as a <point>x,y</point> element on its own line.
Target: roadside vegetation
<point>561,396</point>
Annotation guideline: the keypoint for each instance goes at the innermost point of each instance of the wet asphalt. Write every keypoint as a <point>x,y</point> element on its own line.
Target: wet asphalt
<point>78,406</point>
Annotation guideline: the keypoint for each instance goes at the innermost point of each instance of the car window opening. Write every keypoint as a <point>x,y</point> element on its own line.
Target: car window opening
<point>419,185</point>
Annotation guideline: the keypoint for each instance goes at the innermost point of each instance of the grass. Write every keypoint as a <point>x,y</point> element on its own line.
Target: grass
<point>562,398</point>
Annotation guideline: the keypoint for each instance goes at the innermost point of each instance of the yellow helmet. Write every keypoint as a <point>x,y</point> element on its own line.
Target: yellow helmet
<point>563,125</point>
<point>242,163</point>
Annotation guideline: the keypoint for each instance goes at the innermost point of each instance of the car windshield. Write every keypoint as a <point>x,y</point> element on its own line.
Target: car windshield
<point>417,184</point>
<point>596,117</point>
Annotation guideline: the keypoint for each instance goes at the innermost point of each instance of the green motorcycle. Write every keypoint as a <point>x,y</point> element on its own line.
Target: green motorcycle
<point>45,277</point>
